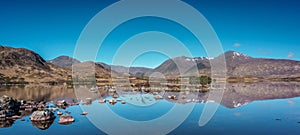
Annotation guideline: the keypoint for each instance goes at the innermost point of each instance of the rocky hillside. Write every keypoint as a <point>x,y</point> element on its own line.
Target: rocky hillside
<point>22,65</point>
<point>240,65</point>
<point>268,68</point>
<point>14,57</point>
<point>19,64</point>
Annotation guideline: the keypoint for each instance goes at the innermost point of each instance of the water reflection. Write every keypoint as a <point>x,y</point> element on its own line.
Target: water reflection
<point>6,123</point>
<point>43,125</point>
<point>38,92</point>
<point>238,94</point>
<point>235,95</point>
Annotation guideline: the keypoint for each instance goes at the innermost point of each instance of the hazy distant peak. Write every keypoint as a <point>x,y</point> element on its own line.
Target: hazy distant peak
<point>64,57</point>
<point>64,61</point>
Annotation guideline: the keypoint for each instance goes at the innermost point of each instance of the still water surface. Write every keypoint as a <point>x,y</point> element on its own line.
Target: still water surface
<point>261,108</point>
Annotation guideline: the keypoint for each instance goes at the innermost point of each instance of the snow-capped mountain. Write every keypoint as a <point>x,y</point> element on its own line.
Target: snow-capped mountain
<point>238,65</point>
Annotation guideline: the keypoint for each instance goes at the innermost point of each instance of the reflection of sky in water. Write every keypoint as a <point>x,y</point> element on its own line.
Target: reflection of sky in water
<point>258,117</point>
<point>142,113</point>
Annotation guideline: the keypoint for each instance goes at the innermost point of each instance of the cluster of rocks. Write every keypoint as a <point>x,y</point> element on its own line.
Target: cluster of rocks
<point>42,115</point>
<point>9,107</point>
<point>12,109</point>
<point>31,106</point>
<point>64,103</point>
<point>9,110</point>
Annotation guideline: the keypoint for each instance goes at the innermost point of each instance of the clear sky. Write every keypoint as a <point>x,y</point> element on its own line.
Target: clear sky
<point>259,28</point>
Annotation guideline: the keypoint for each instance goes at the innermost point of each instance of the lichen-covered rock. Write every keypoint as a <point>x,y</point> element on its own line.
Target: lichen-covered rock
<point>42,115</point>
<point>9,106</point>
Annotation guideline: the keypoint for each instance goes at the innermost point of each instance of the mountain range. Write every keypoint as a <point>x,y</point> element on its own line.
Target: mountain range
<point>67,62</point>
<point>237,64</point>
<point>20,63</point>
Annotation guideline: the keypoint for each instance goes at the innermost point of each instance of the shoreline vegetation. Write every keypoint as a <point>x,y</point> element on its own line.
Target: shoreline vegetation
<point>145,81</point>
<point>146,84</point>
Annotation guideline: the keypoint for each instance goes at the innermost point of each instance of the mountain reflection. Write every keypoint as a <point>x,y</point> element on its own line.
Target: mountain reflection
<point>6,123</point>
<point>37,92</point>
<point>235,95</point>
<point>43,125</point>
<point>239,94</point>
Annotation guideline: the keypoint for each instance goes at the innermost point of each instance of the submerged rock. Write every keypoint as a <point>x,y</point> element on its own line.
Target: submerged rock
<point>278,119</point>
<point>42,115</point>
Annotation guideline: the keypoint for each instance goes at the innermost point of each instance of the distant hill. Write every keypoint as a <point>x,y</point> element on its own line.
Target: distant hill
<point>64,61</point>
<point>85,68</point>
<point>137,71</point>
<point>67,62</point>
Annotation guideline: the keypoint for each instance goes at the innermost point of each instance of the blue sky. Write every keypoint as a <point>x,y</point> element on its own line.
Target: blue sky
<point>263,28</point>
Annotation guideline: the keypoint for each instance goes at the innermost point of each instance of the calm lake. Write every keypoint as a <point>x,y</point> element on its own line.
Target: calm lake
<point>258,108</point>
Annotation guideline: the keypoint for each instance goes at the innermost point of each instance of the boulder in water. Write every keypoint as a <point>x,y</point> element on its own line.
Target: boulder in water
<point>66,119</point>
<point>42,115</point>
